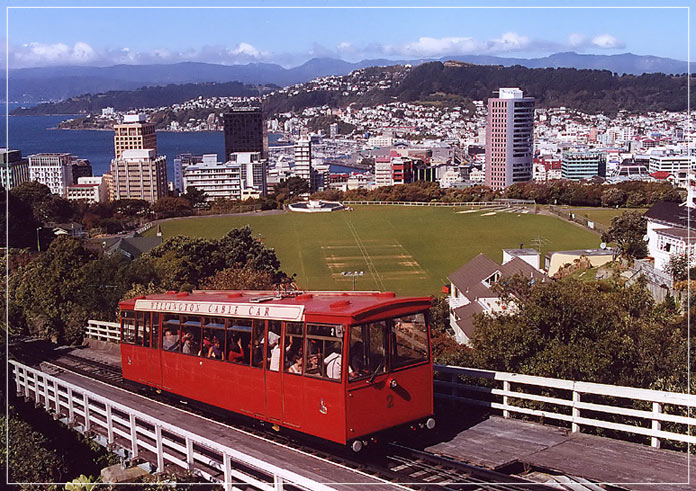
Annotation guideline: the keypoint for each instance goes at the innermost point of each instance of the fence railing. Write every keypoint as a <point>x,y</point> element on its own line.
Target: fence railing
<point>509,397</point>
<point>147,437</point>
<point>574,216</point>
<point>103,331</point>
<point>472,204</point>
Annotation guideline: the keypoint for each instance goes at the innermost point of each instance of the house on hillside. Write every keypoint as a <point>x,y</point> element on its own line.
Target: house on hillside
<point>129,247</point>
<point>471,290</point>
<point>669,234</point>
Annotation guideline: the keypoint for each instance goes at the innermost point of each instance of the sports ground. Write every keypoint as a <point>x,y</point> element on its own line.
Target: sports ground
<point>409,250</point>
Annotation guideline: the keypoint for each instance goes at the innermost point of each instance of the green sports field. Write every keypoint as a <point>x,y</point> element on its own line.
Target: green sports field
<point>405,249</point>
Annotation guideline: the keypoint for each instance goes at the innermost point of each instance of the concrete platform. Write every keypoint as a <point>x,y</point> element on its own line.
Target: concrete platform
<point>497,442</point>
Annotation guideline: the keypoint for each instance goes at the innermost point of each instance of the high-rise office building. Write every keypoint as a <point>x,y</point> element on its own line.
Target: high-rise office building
<point>509,138</point>
<point>52,169</point>
<point>135,133</point>
<point>303,159</point>
<point>577,166</point>
<point>139,174</point>
<point>14,169</point>
<point>244,131</point>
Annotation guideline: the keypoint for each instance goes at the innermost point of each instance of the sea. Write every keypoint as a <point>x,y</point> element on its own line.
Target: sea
<point>35,134</point>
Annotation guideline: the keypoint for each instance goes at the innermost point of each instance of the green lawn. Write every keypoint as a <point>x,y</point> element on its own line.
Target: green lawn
<point>405,249</point>
<point>601,215</point>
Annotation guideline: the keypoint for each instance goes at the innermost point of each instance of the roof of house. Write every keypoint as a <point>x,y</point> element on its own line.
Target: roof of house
<point>131,247</point>
<point>669,212</point>
<point>678,233</point>
<point>469,278</point>
<point>466,314</point>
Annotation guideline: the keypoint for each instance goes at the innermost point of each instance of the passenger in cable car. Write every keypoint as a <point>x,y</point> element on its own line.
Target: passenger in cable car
<point>296,366</point>
<point>274,345</point>
<point>333,362</point>
<point>236,353</point>
<point>187,346</point>
<point>170,342</point>
<point>215,351</point>
<point>356,367</point>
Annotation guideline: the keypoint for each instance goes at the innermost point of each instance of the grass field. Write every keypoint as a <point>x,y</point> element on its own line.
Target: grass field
<point>404,249</point>
<point>601,215</point>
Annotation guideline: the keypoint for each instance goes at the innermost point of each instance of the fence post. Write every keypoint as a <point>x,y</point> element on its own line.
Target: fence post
<point>160,450</point>
<point>18,384</point>
<point>47,403</point>
<point>227,464</point>
<point>134,436</point>
<point>575,427</point>
<point>71,407</point>
<point>37,398</point>
<point>656,425</point>
<point>189,454</point>
<point>506,399</point>
<point>85,402</point>
<point>109,424</point>
<point>56,396</point>
<point>277,483</point>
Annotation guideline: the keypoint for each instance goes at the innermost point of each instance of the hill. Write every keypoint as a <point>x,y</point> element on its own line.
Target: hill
<point>33,85</point>
<point>589,91</point>
<point>158,96</point>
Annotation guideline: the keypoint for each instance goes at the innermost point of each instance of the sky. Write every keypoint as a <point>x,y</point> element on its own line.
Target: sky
<point>307,29</point>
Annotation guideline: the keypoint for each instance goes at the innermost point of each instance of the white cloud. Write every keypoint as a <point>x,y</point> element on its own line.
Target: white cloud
<point>508,41</point>
<point>427,46</point>
<point>344,46</point>
<point>576,40</point>
<point>246,49</point>
<point>33,54</point>
<point>607,41</point>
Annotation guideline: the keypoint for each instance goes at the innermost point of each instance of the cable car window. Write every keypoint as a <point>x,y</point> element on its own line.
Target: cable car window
<point>190,335</point>
<point>259,333</point>
<point>294,344</point>
<point>273,350</point>
<point>170,332</point>
<point>128,327</point>
<point>155,330</point>
<point>238,340</point>
<point>409,340</point>
<point>324,351</point>
<point>213,338</point>
<point>368,348</point>
<point>142,336</point>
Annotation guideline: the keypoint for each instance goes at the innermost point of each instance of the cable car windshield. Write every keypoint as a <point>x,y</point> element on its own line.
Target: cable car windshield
<point>404,338</point>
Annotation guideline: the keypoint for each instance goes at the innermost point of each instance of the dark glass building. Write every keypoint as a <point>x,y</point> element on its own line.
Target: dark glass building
<point>244,131</point>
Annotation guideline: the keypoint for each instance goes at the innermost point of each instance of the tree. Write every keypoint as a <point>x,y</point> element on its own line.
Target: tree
<point>195,196</point>
<point>627,231</point>
<point>239,279</point>
<point>290,189</point>
<point>584,331</point>
<point>613,197</point>
<point>169,206</point>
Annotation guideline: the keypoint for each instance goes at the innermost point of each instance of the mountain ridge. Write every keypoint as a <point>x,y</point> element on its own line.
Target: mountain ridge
<point>32,85</point>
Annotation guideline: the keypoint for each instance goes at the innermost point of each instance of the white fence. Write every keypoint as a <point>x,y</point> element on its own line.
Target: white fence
<point>508,396</point>
<point>472,204</point>
<point>145,436</point>
<point>103,331</point>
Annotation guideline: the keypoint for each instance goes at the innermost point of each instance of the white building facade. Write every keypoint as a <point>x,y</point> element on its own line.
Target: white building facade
<point>215,179</point>
<point>52,169</point>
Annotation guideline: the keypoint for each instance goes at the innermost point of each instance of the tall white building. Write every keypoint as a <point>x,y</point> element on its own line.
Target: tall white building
<point>139,174</point>
<point>215,179</point>
<point>509,138</point>
<point>303,159</point>
<point>253,170</point>
<point>52,169</point>
<point>383,172</point>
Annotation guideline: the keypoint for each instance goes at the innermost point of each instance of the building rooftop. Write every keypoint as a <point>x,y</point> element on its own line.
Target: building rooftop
<point>139,153</point>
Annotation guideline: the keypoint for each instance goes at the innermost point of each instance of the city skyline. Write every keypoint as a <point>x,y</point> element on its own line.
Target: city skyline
<point>291,36</point>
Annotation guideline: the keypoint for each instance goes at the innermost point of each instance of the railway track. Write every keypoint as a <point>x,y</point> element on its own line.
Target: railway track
<point>398,464</point>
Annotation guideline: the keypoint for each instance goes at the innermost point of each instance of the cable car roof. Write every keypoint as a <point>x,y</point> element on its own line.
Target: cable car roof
<point>273,305</point>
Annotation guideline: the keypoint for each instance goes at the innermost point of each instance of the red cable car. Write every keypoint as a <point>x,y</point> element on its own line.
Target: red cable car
<point>279,358</point>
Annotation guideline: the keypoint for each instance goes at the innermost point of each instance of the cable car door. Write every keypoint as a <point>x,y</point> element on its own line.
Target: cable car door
<point>155,353</point>
<point>274,393</point>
